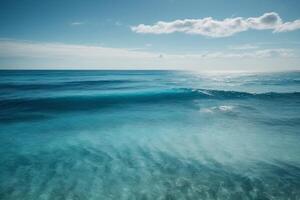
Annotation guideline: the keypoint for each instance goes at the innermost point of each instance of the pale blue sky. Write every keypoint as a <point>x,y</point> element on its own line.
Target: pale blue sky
<point>108,34</point>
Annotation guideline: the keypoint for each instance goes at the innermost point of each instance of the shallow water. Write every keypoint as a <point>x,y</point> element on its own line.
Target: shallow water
<point>149,135</point>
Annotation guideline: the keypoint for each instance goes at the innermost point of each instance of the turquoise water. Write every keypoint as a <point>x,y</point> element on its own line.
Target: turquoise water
<point>149,135</point>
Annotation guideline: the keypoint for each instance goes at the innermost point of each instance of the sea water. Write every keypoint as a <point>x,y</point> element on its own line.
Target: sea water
<point>149,135</point>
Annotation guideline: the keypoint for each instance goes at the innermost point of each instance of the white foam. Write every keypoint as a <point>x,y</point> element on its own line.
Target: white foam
<point>223,108</point>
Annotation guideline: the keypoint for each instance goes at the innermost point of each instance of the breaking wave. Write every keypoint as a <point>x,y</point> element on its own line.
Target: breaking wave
<point>78,102</point>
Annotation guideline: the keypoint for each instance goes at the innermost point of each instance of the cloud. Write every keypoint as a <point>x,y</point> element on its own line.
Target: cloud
<point>76,23</point>
<point>266,21</point>
<point>16,48</point>
<point>43,54</point>
<point>28,54</point>
<point>258,54</point>
<point>243,47</point>
<point>288,26</point>
<point>118,23</point>
<point>219,28</point>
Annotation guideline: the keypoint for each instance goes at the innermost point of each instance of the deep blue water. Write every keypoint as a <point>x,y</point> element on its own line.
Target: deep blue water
<point>149,135</point>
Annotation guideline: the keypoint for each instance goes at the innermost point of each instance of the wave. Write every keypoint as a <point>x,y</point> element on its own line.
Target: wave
<point>64,85</point>
<point>88,102</point>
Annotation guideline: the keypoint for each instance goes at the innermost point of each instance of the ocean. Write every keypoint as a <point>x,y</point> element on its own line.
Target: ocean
<point>149,135</point>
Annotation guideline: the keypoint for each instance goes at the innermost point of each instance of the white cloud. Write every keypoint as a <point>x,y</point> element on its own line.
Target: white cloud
<point>14,48</point>
<point>243,47</point>
<point>257,54</point>
<point>265,53</point>
<point>219,28</point>
<point>57,55</point>
<point>273,53</point>
<point>288,26</point>
<point>266,21</point>
<point>76,23</point>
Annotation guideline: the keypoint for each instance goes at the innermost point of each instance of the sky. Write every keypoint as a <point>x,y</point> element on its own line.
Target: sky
<point>204,35</point>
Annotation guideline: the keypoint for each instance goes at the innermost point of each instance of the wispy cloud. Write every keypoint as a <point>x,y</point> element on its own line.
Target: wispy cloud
<point>244,47</point>
<point>257,54</point>
<point>16,48</point>
<point>219,28</point>
<point>118,23</point>
<point>288,26</point>
<point>76,23</point>
<point>69,55</point>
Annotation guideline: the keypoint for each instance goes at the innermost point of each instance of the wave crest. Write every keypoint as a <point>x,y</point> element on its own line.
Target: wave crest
<point>56,104</point>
